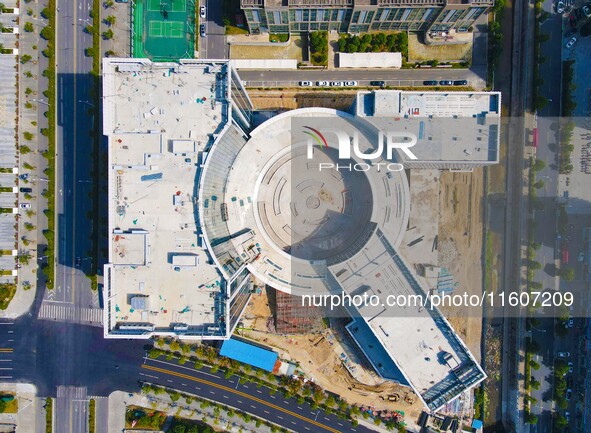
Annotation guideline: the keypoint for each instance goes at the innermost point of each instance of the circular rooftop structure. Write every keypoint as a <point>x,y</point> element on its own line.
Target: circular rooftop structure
<point>284,202</point>
<point>315,214</point>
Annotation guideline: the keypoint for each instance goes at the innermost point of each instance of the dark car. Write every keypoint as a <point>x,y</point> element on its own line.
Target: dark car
<point>570,34</point>
<point>460,83</point>
<point>446,83</point>
<point>377,83</point>
<point>202,30</point>
<point>26,190</point>
<point>430,83</point>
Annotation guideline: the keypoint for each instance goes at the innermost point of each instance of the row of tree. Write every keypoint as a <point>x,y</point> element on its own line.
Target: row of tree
<point>375,43</point>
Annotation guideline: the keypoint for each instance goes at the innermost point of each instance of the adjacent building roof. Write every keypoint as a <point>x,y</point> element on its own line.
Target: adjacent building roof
<point>370,60</point>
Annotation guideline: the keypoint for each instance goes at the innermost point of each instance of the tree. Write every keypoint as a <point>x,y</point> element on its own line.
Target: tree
<point>29,27</point>
<point>24,257</point>
<point>25,58</point>
<point>179,428</point>
<point>530,418</point>
<point>110,20</point>
<point>567,273</point>
<point>108,34</point>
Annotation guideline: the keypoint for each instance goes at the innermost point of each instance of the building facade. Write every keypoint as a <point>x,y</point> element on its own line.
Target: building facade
<point>361,16</point>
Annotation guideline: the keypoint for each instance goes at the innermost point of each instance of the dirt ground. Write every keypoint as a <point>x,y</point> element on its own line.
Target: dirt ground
<point>420,52</point>
<point>460,247</point>
<point>292,51</point>
<point>318,356</point>
<point>292,99</point>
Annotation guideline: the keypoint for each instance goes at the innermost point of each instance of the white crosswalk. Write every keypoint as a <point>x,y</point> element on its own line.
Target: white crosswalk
<point>69,313</point>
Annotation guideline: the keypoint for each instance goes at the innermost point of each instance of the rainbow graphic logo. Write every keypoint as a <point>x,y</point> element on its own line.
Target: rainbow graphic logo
<point>317,136</point>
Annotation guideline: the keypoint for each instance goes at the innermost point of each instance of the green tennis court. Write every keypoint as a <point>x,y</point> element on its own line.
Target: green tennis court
<point>166,29</point>
<point>163,30</point>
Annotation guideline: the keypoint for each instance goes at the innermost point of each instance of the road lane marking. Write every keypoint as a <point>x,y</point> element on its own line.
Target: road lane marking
<point>242,394</point>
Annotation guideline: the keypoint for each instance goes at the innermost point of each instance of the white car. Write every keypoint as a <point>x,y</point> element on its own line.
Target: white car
<point>25,206</point>
<point>587,10</point>
<point>337,83</point>
<point>306,83</point>
<point>350,83</point>
<point>571,42</point>
<point>564,354</point>
<point>570,367</point>
<point>570,323</point>
<point>323,83</point>
<point>560,8</point>
<point>202,11</point>
<point>581,257</point>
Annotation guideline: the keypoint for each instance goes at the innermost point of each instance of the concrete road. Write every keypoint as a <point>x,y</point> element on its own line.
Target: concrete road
<point>214,45</point>
<point>393,77</point>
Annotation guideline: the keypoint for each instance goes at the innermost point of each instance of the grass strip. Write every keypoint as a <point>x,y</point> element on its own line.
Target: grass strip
<point>48,33</point>
<point>91,415</point>
<point>48,415</point>
<point>95,94</point>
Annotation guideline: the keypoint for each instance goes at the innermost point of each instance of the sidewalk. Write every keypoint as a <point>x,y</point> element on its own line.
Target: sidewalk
<point>26,394</point>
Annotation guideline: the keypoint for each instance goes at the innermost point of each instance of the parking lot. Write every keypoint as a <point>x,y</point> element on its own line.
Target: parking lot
<point>8,151</point>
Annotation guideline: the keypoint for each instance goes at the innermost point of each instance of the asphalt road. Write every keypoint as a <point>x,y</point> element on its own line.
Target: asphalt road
<point>213,46</point>
<point>247,397</point>
<point>74,152</point>
<point>393,77</point>
<point>98,366</point>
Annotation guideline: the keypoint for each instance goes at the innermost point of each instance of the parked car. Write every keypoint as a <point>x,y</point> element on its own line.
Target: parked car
<point>564,354</point>
<point>570,33</point>
<point>202,30</point>
<point>581,257</point>
<point>337,83</point>
<point>306,83</point>
<point>567,416</point>
<point>78,262</point>
<point>446,83</point>
<point>202,11</point>
<point>350,83</point>
<point>323,84</point>
<point>25,206</point>
<point>569,393</point>
<point>570,323</point>
<point>27,190</point>
<point>571,42</point>
<point>430,83</point>
<point>460,83</point>
<point>377,83</point>
<point>560,7</point>
<point>570,367</point>
<point>23,176</point>
<point>587,10</point>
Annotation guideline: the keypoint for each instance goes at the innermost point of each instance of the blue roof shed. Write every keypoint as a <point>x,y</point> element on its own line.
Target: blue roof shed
<point>477,424</point>
<point>249,354</point>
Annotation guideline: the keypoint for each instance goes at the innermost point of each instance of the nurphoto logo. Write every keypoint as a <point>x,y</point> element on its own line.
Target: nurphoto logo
<point>345,142</point>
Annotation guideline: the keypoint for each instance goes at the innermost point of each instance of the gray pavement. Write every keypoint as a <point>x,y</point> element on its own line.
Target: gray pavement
<point>393,77</point>
<point>214,45</point>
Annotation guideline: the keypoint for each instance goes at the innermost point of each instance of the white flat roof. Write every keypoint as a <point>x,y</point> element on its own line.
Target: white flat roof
<point>158,117</point>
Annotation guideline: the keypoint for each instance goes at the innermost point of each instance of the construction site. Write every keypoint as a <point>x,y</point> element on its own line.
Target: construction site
<point>323,349</point>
